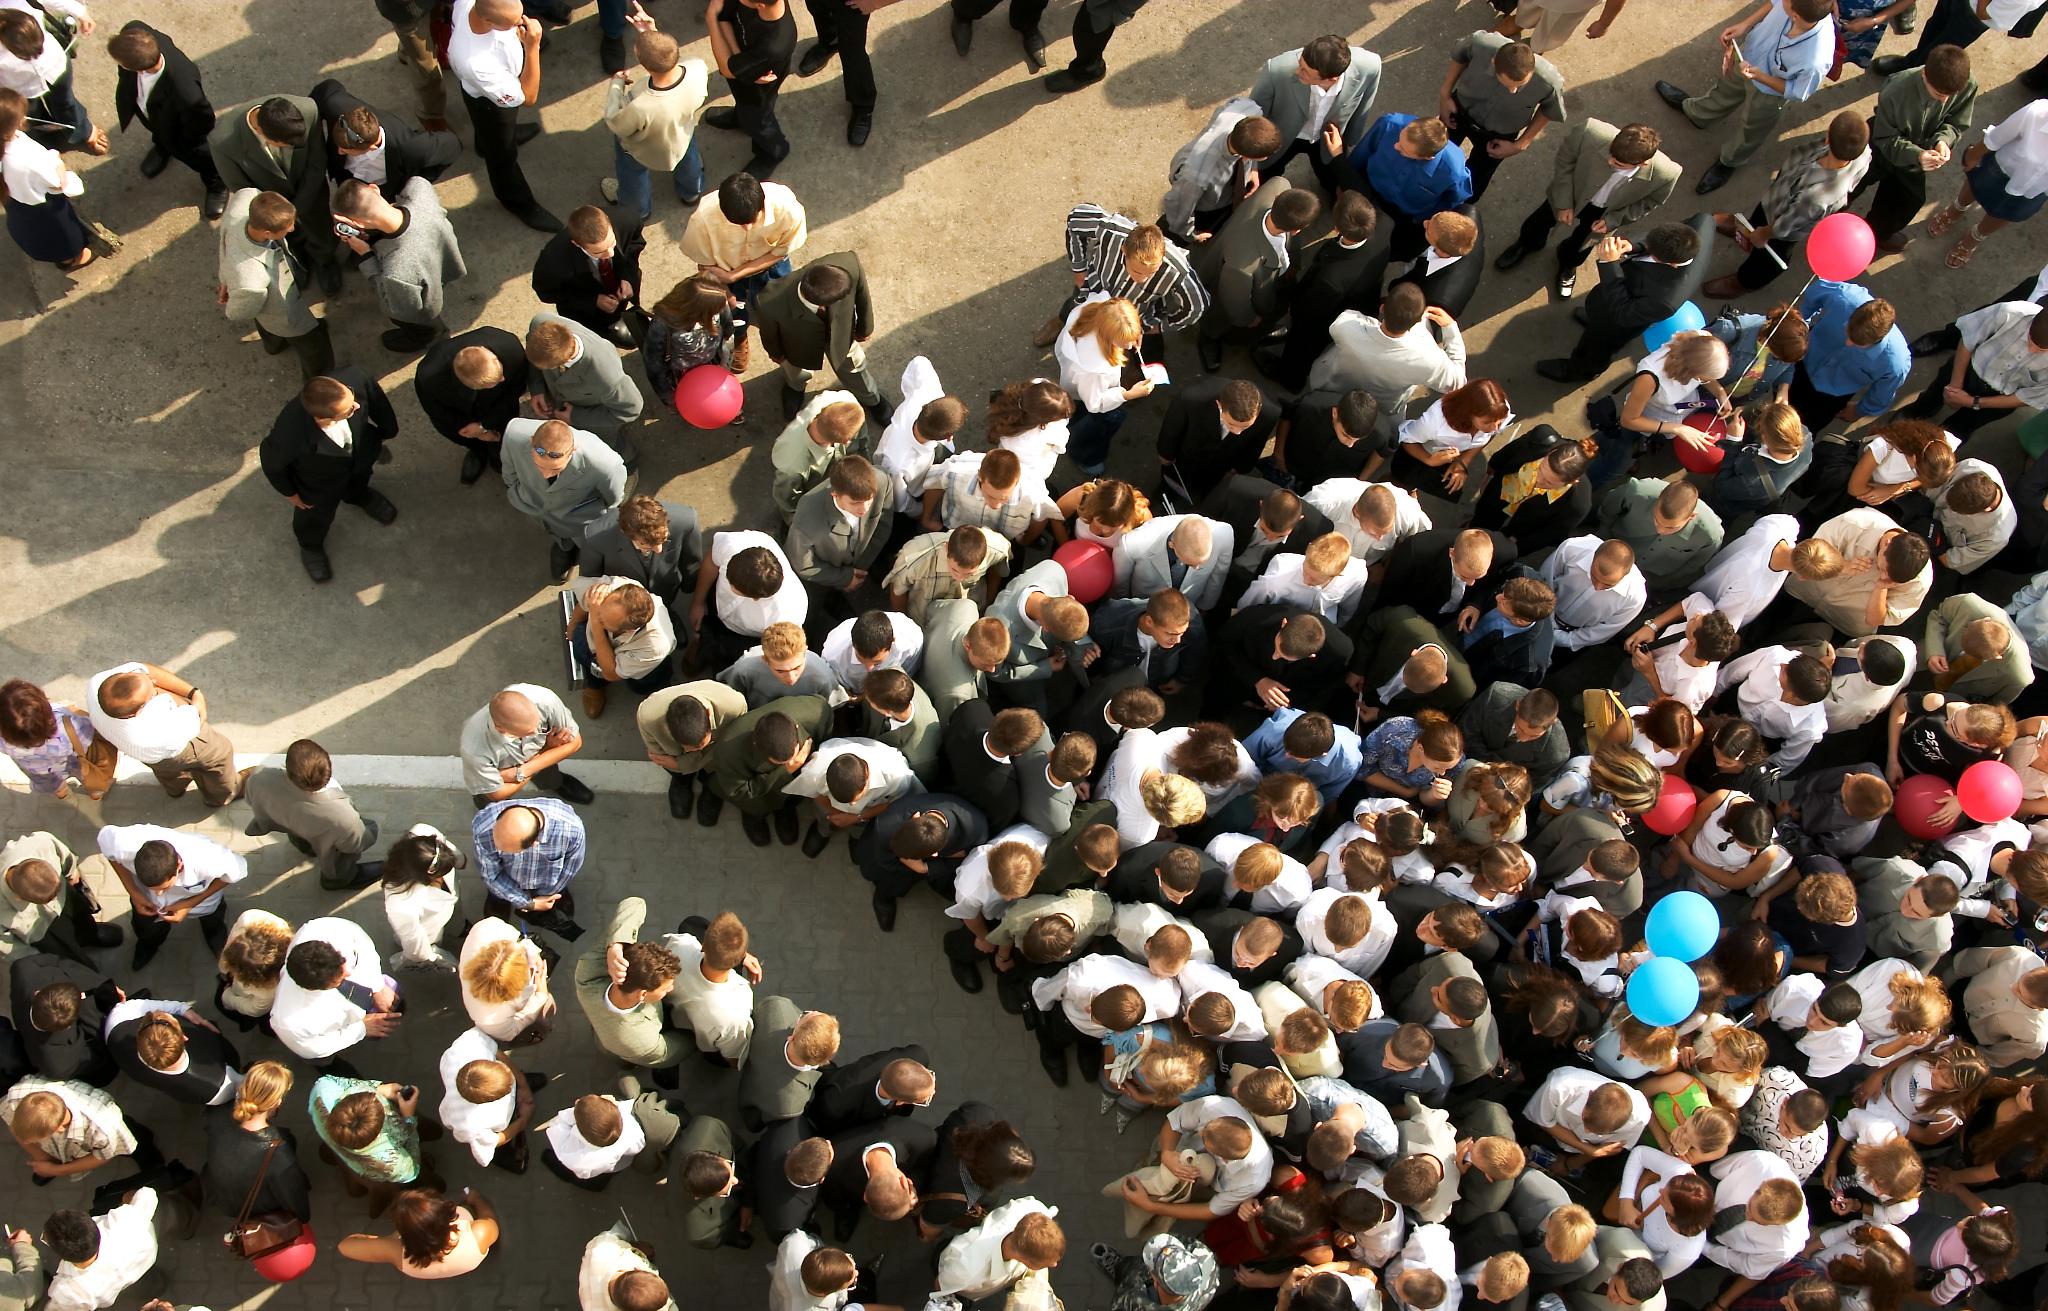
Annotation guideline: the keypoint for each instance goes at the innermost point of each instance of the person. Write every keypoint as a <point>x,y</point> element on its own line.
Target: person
<point>408,253</point>
<point>1328,83</point>
<point>101,1257</point>
<point>1498,95</point>
<point>616,1275</point>
<point>1210,174</point>
<point>1409,168</point>
<point>1771,60</point>
<point>619,633</point>
<point>364,146</point>
<point>821,317</point>
<point>40,217</point>
<point>420,896</point>
<point>1450,264</point>
<point>248,1153</point>
<point>494,50</point>
<point>1913,132</point>
<point>1385,357</point>
<point>1095,22</point>
<point>577,373</point>
<point>321,453</point>
<point>824,430</point>
<point>171,876</point>
<point>654,126</point>
<point>2003,175</point>
<point>563,477</point>
<point>436,1238</point>
<point>1814,181</point>
<point>35,59</point>
<point>303,801</point>
<point>521,736</point>
<point>655,544</point>
<point>744,585</point>
<point>1091,351</point>
<point>154,716</point>
<point>2000,365</point>
<point>742,237</point>
<point>334,993</point>
<point>528,851</point>
<point>1605,178</point>
<point>1548,24</point>
<point>1120,257</point>
<point>1211,429</point>
<point>1167,1272</point>
<point>470,386</point>
<point>1671,532</point>
<point>590,273</point>
<point>689,327</point>
<point>1974,651</point>
<point>1024,21</point>
<point>1961,25</point>
<point>1856,358</point>
<point>272,146</point>
<point>1242,265</point>
<point>838,531</point>
<point>53,742</point>
<point>938,567</point>
<point>60,1008</point>
<point>160,87</point>
<point>411,22</point>
<point>1633,294</point>
<point>754,42</point>
<point>759,754</point>
<point>1437,451</point>
<point>1331,276</point>
<point>1671,384</point>
<point>260,280</point>
<point>1014,1240</point>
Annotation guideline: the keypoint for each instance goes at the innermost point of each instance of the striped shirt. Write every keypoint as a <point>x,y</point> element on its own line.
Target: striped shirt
<point>542,869</point>
<point>1171,298</point>
<point>963,506</point>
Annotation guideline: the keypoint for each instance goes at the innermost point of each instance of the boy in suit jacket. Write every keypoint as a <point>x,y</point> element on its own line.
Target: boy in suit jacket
<point>260,280</point>
<point>590,273</point>
<point>470,386</point>
<point>321,452</point>
<point>577,375</point>
<point>837,533</point>
<point>1185,552</point>
<point>302,802</point>
<point>654,543</point>
<point>1635,291</point>
<point>1431,572</point>
<point>1242,264</point>
<point>880,1086</point>
<point>1605,178</point>
<point>822,316</point>
<point>790,1051</point>
<point>378,148</point>
<point>174,107</point>
<point>413,258</point>
<point>1341,272</point>
<point>275,145</point>
<point>1450,265</point>
<point>1163,638</point>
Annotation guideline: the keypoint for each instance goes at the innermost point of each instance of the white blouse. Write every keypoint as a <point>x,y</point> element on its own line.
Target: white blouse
<point>1433,433</point>
<point>1084,369</point>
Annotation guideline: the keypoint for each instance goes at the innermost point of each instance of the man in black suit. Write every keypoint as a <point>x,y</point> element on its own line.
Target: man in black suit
<point>1116,703</point>
<point>982,747</point>
<point>1514,635</point>
<point>1264,519</point>
<point>920,838</point>
<point>1450,266</point>
<point>1254,948</point>
<point>175,1052</point>
<point>1338,273</point>
<point>789,1162</point>
<point>1536,492</point>
<point>321,452</point>
<point>820,317</point>
<point>1404,664</point>
<point>590,272</point>
<point>1164,639</point>
<point>875,1167</point>
<point>471,385</point>
<point>60,1010</point>
<point>657,544</point>
<point>879,1086</point>
<point>176,110</point>
<point>1432,572</point>
<point>1212,429</point>
<point>1635,291</point>
<point>1170,874</point>
<point>1277,655</point>
<point>379,149</point>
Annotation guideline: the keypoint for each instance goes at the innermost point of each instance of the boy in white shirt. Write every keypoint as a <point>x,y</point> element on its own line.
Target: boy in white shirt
<point>714,991</point>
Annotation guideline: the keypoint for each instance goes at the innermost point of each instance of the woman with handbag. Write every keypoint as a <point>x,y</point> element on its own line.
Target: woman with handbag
<point>252,1165</point>
<point>53,742</point>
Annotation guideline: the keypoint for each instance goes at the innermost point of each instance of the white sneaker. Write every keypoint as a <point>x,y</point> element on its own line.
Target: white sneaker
<point>609,189</point>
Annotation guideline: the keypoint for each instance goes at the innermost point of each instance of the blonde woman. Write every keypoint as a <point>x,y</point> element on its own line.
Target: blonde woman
<point>1101,332</point>
<point>241,1134</point>
<point>251,963</point>
<point>505,984</point>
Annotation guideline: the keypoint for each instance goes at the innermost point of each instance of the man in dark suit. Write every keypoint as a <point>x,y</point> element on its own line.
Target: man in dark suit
<point>982,748</point>
<point>321,452</point>
<point>895,1152</point>
<point>380,149</point>
<point>880,1086</point>
<point>1457,1015</point>
<point>590,272</point>
<point>1116,703</point>
<point>821,316</point>
<point>1242,267</point>
<point>1518,726</point>
<point>1514,635</point>
<point>935,829</point>
<point>1095,21</point>
<point>60,1011</point>
<point>1163,639</point>
<point>1573,855</point>
<point>1212,429</point>
<point>657,544</point>
<point>1170,874</point>
<point>1635,291</point>
<point>1405,664</point>
<point>198,1058</point>
<point>788,1168</point>
<point>1536,492</point>
<point>275,145</point>
<point>1432,572</point>
<point>1264,520</point>
<point>1457,248</point>
<point>1277,655</point>
<point>1340,272</point>
<point>471,385</point>
<point>177,113</point>
<point>1253,954</point>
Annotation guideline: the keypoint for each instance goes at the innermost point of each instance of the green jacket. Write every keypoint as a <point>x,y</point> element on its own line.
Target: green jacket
<point>1909,120</point>
<point>738,772</point>
<point>638,1036</point>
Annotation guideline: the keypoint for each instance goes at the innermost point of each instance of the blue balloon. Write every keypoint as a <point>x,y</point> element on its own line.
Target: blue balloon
<point>1683,926</point>
<point>1687,318</point>
<point>1663,991</point>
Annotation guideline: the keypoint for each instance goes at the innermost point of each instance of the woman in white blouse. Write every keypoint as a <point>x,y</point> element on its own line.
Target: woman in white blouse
<point>1681,377</point>
<point>1910,455</point>
<point>39,188</point>
<point>1436,451</point>
<point>505,984</point>
<point>1091,349</point>
<point>420,897</point>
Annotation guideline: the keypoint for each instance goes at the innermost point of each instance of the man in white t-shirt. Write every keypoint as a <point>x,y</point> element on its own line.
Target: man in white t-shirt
<point>494,49</point>
<point>158,718</point>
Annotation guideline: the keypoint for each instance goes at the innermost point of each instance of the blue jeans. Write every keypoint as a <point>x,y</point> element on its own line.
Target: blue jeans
<point>636,182</point>
<point>60,104</point>
<point>745,289</point>
<point>1089,435</point>
<point>646,685</point>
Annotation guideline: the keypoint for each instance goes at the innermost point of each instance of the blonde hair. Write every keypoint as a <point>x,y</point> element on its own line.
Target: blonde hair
<point>1172,800</point>
<point>1328,554</point>
<point>1114,324</point>
<point>1918,1004</point>
<point>1695,357</point>
<point>264,1085</point>
<point>1568,1232</point>
<point>1257,866</point>
<point>499,972</point>
<point>782,640</point>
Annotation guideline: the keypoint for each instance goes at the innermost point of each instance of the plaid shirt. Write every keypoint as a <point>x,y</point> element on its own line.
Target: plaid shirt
<point>963,506</point>
<point>541,870</point>
<point>922,574</point>
<point>1171,298</point>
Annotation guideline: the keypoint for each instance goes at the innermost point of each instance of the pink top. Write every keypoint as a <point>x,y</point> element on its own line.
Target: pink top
<point>465,1256</point>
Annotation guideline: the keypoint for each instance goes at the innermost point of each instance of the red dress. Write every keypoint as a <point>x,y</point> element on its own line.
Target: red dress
<point>1238,1242</point>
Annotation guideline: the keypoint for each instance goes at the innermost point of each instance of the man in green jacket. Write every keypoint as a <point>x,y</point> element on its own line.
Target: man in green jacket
<point>758,754</point>
<point>1920,114</point>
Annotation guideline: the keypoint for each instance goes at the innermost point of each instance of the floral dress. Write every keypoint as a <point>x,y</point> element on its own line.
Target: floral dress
<point>51,763</point>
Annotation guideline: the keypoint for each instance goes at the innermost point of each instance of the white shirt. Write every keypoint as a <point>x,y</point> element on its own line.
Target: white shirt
<point>890,777</point>
<point>419,914</point>
<point>478,1126</point>
<point>1084,369</point>
<point>1682,681</point>
<point>721,1014</point>
<point>1668,397</point>
<point>973,1264</point>
<point>906,652</point>
<point>1740,582</point>
<point>1283,894</point>
<point>1586,615</point>
<point>1236,1181</point>
<point>337,433</point>
<point>1320,101</point>
<point>1038,449</point>
<point>1828,1051</point>
<point>1336,498</point>
<point>370,165</point>
<point>605,1258</point>
<point>1429,1248</point>
<point>1750,1249</point>
<point>1892,466</point>
<point>487,64</point>
<point>201,861</point>
<point>316,1025</point>
<point>1415,867</point>
<point>786,1291</point>
<point>1760,694</point>
<point>127,1251</point>
<point>33,77</point>
<point>162,728</point>
<point>974,896</point>
<point>145,86</point>
<point>1336,600</point>
<point>1606,191</point>
<point>1311,977</point>
<point>1138,753</point>
<point>1199,977</point>
<point>1365,956</point>
<point>1673,1252</point>
<point>1074,987</point>
<point>583,1158</point>
<point>636,652</point>
<point>1854,700</point>
<point>900,455</point>
<point>1219,794</point>
<point>1433,433</point>
<point>505,1020</point>
<point>2021,140</point>
<point>1134,924</point>
<point>743,614</point>
<point>1278,241</point>
<point>1561,1102</point>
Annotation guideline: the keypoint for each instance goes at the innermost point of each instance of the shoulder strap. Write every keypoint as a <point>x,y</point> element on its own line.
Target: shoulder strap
<point>249,1202</point>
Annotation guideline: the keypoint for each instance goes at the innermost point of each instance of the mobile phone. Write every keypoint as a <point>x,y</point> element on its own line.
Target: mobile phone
<point>408,1092</point>
<point>342,229</point>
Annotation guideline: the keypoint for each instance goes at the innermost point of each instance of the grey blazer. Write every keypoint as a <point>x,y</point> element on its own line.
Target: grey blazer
<point>945,676</point>
<point>1239,265</point>
<point>1150,566</point>
<point>585,493</point>
<point>704,1221</point>
<point>1472,1052</point>
<point>1478,1195</point>
<point>824,548</point>
<point>1880,884</point>
<point>770,1089</point>
<point>408,271</point>
<point>595,382</point>
<point>325,820</point>
<point>1285,100</point>
<point>1044,807</point>
<point>262,280</point>
<point>1582,168</point>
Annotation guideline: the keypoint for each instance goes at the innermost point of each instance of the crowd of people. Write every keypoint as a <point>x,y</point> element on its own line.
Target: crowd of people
<point>1310,789</point>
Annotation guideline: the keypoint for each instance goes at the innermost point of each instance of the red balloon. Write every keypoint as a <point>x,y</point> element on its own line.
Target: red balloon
<point>1090,571</point>
<point>1840,247</point>
<point>289,1262</point>
<point>1706,461</point>
<point>708,396</point>
<point>1915,801</point>
<point>1990,791</point>
<point>1674,809</point>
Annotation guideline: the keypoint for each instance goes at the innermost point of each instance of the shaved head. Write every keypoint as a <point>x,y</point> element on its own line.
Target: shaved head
<point>514,714</point>
<point>516,829</point>
<point>1192,540</point>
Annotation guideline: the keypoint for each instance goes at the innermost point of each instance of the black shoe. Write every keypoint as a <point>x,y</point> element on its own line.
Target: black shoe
<point>966,975</point>
<point>1056,1066</point>
<point>378,506</point>
<point>1567,283</point>
<point>1886,65</point>
<point>709,807</point>
<point>963,41</point>
<point>560,560</point>
<point>1510,257</point>
<point>317,567</point>
<point>884,908</point>
<point>756,828</point>
<point>1673,95</point>
<point>215,204</point>
<point>329,276</point>
<point>572,790</point>
<point>1937,342</point>
<point>1068,80</point>
<point>725,118</point>
<point>761,168</point>
<point>859,125</point>
<point>1714,178</point>
<point>785,826</point>
<point>622,337</point>
<point>524,133</point>
<point>1034,49</point>
<point>682,790</point>
<point>815,841</point>
<point>1211,352</point>
<point>540,220</point>
<point>473,466</point>
<point>156,161</point>
<point>737,1240</point>
<point>881,413</point>
<point>1579,317</point>
<point>407,341</point>
<point>2035,80</point>
<point>368,873</point>
<point>385,455</point>
<point>276,345</point>
<point>792,401</point>
<point>611,54</point>
<point>815,58</point>
<point>1557,371</point>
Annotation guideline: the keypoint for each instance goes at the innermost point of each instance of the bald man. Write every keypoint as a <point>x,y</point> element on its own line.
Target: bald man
<point>1599,590</point>
<point>527,852</point>
<point>521,737</point>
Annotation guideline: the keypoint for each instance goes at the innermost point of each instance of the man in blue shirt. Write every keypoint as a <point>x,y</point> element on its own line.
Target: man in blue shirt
<point>1856,357</point>
<point>527,853</point>
<point>1297,742</point>
<point>1774,57</point>
<point>1408,167</point>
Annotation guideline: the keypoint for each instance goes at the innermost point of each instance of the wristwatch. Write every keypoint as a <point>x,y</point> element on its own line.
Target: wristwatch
<point>519,774</point>
<point>1976,402</point>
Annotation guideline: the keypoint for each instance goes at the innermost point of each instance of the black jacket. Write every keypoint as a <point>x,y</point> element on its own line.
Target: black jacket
<point>1538,523</point>
<point>1418,572</point>
<point>1245,648</point>
<point>450,405</point>
<point>299,460</point>
<point>1114,627</point>
<point>209,1057</point>
<point>1451,288</point>
<point>1221,928</point>
<point>1135,880</point>
<point>1314,453</point>
<point>409,152</point>
<point>79,1052</point>
<point>845,1096</point>
<point>178,114</point>
<point>566,278</point>
<point>234,1156</point>
<point>847,1179</point>
<point>1635,293</point>
<point>668,575</point>
<point>1191,437</point>
<point>780,1206</point>
<point>990,784</point>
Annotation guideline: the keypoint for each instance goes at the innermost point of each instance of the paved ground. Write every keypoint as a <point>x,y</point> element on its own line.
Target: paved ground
<point>137,524</point>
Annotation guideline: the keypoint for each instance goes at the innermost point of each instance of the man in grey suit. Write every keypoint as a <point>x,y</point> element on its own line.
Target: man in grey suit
<point>1624,1259</point>
<point>275,145</point>
<point>1605,178</point>
<point>1243,263</point>
<point>836,534</point>
<point>303,801</point>
<point>259,280</point>
<point>1906,908</point>
<point>1479,1193</point>
<point>1576,853</point>
<point>657,544</point>
<point>704,1159</point>
<point>1458,1014</point>
<point>564,477</point>
<point>1328,83</point>
<point>409,256</point>
<point>1518,725</point>
<point>961,650</point>
<point>1048,637</point>
<point>819,317</point>
<point>1184,551</point>
<point>577,376</point>
<point>790,1051</point>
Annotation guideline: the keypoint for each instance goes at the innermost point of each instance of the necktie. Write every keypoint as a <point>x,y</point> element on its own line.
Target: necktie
<point>1729,1217</point>
<point>1178,571</point>
<point>1847,665</point>
<point>605,277</point>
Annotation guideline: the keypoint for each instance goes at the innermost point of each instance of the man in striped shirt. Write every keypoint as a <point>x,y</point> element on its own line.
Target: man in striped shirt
<point>1134,261</point>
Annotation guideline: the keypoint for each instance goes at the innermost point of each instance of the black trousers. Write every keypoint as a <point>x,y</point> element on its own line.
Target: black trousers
<point>1900,194</point>
<point>151,932</point>
<point>1089,43</point>
<point>754,105</point>
<point>1326,170</point>
<point>200,160</point>
<point>1577,245</point>
<point>315,349</point>
<point>311,524</point>
<point>1760,270</point>
<point>1817,409</point>
<point>496,144</point>
<point>1954,22</point>
<point>843,28</point>
<point>1480,163</point>
<point>1961,422</point>
<point>559,919</point>
<point>1024,14</point>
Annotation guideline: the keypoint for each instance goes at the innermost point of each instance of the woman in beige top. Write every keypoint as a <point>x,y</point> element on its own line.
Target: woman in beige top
<point>251,963</point>
<point>505,984</point>
<point>436,1238</point>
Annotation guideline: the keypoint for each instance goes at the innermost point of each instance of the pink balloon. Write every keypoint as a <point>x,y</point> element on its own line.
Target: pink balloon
<point>1989,791</point>
<point>1090,571</point>
<point>1840,247</point>
<point>1915,802</point>
<point>290,1261</point>
<point>1675,806</point>
<point>709,396</point>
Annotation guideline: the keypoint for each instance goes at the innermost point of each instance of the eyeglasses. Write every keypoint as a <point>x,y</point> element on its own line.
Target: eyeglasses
<point>553,455</point>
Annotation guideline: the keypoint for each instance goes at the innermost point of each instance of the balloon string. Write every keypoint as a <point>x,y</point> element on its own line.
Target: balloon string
<point>1763,342</point>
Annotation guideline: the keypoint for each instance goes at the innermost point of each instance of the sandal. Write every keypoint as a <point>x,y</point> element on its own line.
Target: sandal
<point>85,257</point>
<point>1966,246</point>
<point>1944,219</point>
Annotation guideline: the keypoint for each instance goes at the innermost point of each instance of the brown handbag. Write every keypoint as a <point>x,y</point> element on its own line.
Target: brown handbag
<point>257,1236</point>
<point>95,763</point>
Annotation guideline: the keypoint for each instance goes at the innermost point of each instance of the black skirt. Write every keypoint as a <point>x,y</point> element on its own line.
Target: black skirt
<point>51,232</point>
